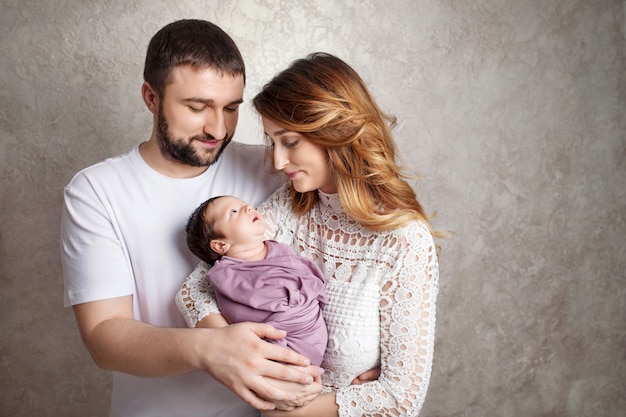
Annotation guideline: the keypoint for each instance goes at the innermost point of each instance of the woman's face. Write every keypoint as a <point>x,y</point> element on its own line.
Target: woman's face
<point>305,163</point>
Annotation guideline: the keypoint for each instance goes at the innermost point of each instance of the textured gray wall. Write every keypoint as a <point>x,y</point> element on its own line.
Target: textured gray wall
<point>513,111</point>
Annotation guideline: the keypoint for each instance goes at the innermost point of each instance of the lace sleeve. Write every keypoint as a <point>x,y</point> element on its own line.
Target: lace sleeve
<point>196,299</point>
<point>407,319</point>
<point>276,209</point>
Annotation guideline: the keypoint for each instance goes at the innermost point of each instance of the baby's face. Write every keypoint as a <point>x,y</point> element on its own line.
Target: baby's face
<point>236,220</point>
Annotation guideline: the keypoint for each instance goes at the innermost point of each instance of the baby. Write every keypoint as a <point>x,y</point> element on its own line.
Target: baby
<point>259,280</point>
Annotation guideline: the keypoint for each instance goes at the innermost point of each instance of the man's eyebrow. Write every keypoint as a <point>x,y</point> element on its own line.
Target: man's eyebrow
<point>208,101</point>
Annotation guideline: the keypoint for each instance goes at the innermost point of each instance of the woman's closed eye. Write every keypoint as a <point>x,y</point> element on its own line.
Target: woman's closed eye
<point>292,144</point>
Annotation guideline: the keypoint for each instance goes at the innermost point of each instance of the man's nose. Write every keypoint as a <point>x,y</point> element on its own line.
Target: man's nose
<point>215,126</point>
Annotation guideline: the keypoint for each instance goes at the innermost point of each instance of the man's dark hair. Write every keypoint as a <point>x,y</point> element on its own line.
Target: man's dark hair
<point>196,43</point>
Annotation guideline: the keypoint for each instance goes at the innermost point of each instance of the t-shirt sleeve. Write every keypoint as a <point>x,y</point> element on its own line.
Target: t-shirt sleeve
<point>95,266</point>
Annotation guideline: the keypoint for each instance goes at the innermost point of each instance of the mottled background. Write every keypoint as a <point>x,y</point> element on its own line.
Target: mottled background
<point>512,111</point>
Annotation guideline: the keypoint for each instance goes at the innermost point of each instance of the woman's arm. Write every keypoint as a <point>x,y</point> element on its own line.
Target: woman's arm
<point>407,320</point>
<point>196,299</point>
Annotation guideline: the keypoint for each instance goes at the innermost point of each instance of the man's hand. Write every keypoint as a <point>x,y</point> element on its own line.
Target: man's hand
<point>238,357</point>
<point>304,393</point>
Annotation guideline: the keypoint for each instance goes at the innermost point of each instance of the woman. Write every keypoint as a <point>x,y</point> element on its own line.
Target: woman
<point>349,208</point>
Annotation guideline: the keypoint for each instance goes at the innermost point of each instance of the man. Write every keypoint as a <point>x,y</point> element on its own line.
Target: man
<point>123,242</point>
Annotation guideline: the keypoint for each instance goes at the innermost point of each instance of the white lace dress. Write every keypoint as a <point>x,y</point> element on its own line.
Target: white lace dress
<point>382,289</point>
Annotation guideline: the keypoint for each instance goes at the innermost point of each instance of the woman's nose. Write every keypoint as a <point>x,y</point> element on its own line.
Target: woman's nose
<point>280,159</point>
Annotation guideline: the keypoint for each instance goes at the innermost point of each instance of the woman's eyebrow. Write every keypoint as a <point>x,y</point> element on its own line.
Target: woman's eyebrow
<point>278,132</point>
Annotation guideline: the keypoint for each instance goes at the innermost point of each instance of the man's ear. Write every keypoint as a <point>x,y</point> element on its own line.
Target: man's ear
<point>219,246</point>
<point>150,97</point>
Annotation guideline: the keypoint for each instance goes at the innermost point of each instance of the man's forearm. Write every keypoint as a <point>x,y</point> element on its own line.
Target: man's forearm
<point>137,348</point>
<point>236,355</point>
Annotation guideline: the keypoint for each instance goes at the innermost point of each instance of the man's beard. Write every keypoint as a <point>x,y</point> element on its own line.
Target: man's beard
<point>181,150</point>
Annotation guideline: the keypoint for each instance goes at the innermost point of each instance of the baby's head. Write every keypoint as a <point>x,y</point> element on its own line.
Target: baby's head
<point>221,223</point>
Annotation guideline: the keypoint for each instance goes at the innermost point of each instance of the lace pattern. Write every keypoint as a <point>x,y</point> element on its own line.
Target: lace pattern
<point>196,298</point>
<point>382,289</point>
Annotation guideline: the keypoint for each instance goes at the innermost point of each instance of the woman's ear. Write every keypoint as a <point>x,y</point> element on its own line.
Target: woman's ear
<point>219,246</point>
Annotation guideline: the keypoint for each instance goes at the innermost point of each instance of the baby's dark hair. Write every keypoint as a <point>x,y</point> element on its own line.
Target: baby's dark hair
<point>200,234</point>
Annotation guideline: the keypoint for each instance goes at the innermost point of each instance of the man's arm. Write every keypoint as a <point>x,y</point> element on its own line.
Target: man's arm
<point>235,355</point>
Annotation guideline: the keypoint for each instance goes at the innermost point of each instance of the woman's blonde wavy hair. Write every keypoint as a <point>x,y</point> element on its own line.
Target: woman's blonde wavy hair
<point>325,100</point>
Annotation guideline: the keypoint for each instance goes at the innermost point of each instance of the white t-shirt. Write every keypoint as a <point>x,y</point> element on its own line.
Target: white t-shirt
<point>123,232</point>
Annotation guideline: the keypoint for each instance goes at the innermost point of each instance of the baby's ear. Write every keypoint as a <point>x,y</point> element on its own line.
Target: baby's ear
<point>219,246</point>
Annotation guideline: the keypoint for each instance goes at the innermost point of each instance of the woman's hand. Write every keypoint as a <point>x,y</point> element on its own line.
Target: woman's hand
<point>303,393</point>
<point>367,376</point>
